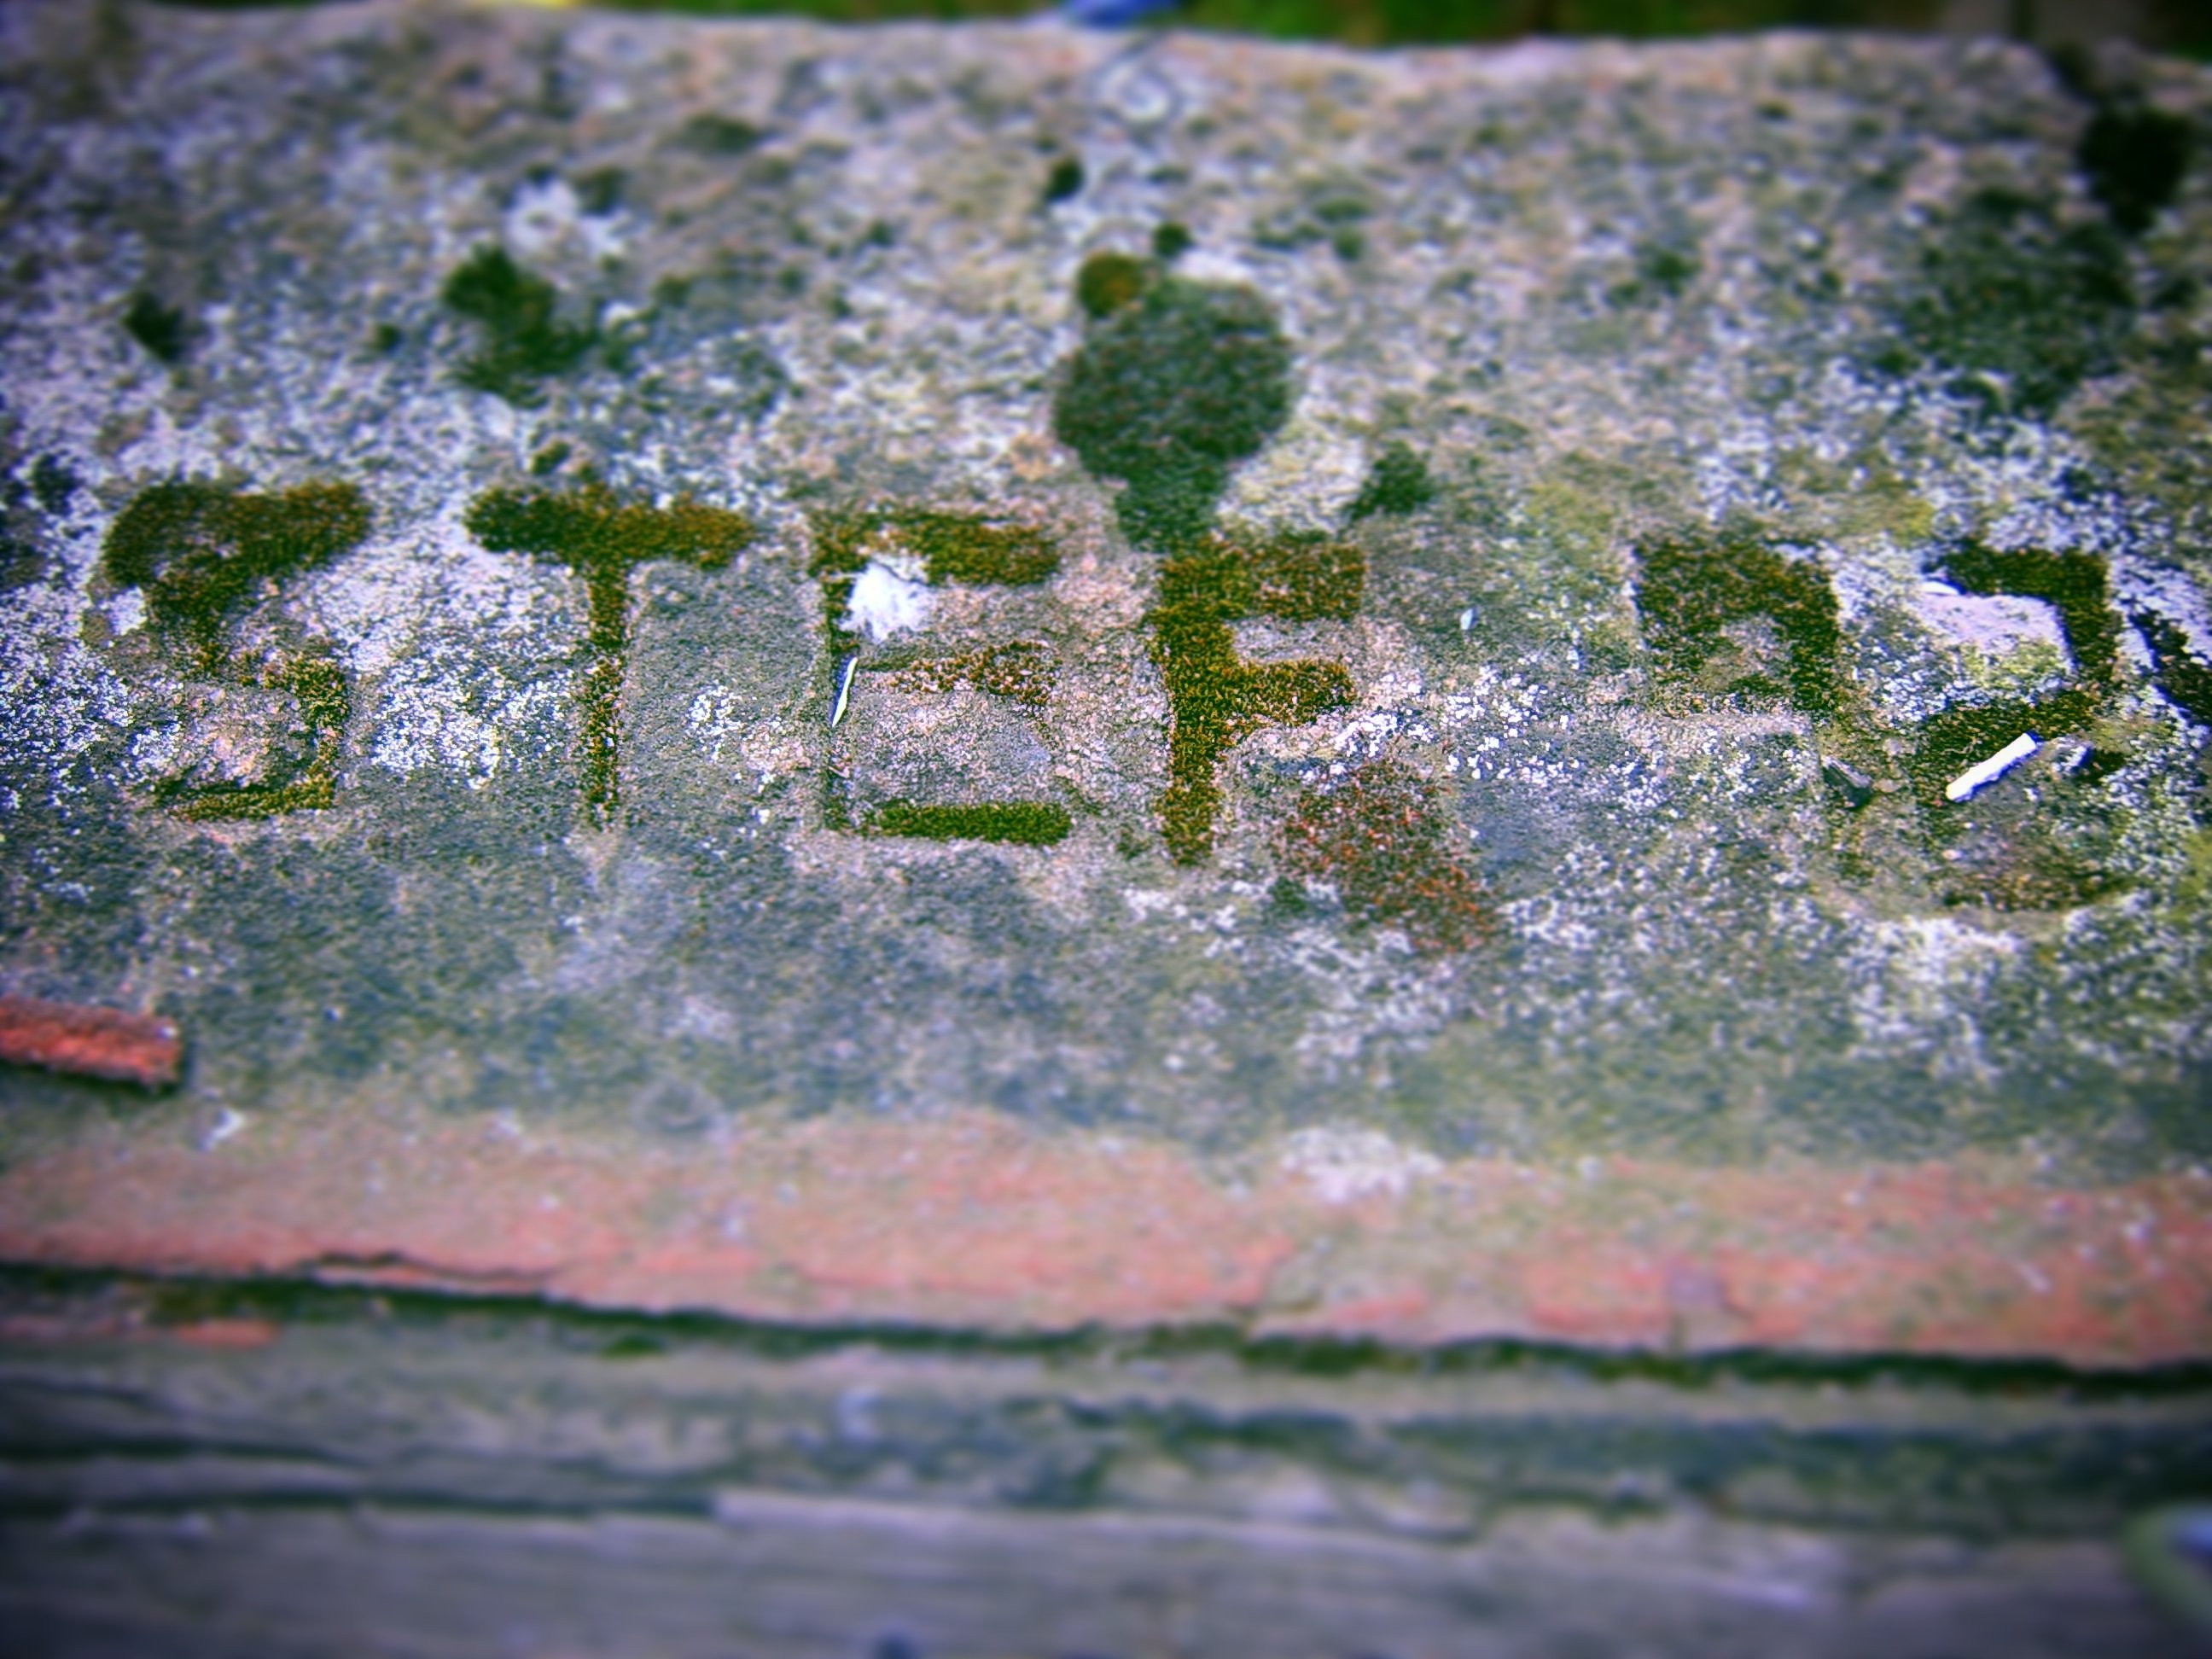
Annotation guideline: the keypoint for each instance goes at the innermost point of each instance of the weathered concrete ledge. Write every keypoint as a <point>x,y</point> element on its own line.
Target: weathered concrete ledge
<point>1031,678</point>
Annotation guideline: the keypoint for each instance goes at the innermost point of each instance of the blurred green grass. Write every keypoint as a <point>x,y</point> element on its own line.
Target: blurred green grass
<point>1389,22</point>
<point>2177,25</point>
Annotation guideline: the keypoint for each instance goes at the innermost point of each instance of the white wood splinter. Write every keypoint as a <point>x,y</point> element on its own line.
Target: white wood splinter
<point>844,691</point>
<point>1990,770</point>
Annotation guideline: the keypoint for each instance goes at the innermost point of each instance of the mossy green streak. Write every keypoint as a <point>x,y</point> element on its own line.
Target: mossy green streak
<point>603,540</point>
<point>202,553</point>
<point>325,706</point>
<point>971,549</point>
<point>1029,823</point>
<point>1215,698</point>
<point>1688,591</point>
<point>1177,381</point>
<point>2074,583</point>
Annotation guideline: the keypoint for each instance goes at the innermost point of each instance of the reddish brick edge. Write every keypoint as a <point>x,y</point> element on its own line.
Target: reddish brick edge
<point>89,1042</point>
<point>969,1220</point>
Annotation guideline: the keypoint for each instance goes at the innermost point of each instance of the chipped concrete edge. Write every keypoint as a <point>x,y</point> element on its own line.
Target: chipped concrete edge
<point>965,1220</point>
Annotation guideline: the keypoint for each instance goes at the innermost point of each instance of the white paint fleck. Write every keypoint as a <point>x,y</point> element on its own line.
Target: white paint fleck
<point>229,1122</point>
<point>1990,770</point>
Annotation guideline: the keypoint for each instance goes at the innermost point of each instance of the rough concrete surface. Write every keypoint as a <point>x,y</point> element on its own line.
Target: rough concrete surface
<point>1030,678</point>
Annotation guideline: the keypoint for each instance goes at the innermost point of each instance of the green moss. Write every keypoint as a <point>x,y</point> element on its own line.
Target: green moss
<point>2181,675</point>
<point>600,192</point>
<point>962,547</point>
<point>954,547</point>
<point>2074,583</point>
<point>316,792</point>
<point>1959,737</point>
<point>550,459</point>
<point>839,542</point>
<point>1377,839</point>
<point>1064,181</point>
<point>1170,241</point>
<point>202,553</point>
<point>1398,483</point>
<point>1665,268</point>
<point>1328,210</point>
<point>1107,282</point>
<point>524,342</point>
<point>1018,671</point>
<point>1688,592</point>
<point>1029,823</point>
<point>1215,698</point>
<point>325,706</point>
<point>53,485</point>
<point>1172,387</point>
<point>719,135</point>
<point>603,541</point>
<point>967,548</point>
<point>163,330</point>
<point>2025,309</point>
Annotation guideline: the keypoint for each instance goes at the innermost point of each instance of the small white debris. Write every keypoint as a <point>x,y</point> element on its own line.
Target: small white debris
<point>844,691</point>
<point>1466,620</point>
<point>227,1124</point>
<point>889,595</point>
<point>1990,770</point>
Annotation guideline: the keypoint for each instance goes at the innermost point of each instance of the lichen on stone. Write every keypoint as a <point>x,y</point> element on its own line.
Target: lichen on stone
<point>1378,837</point>
<point>1019,671</point>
